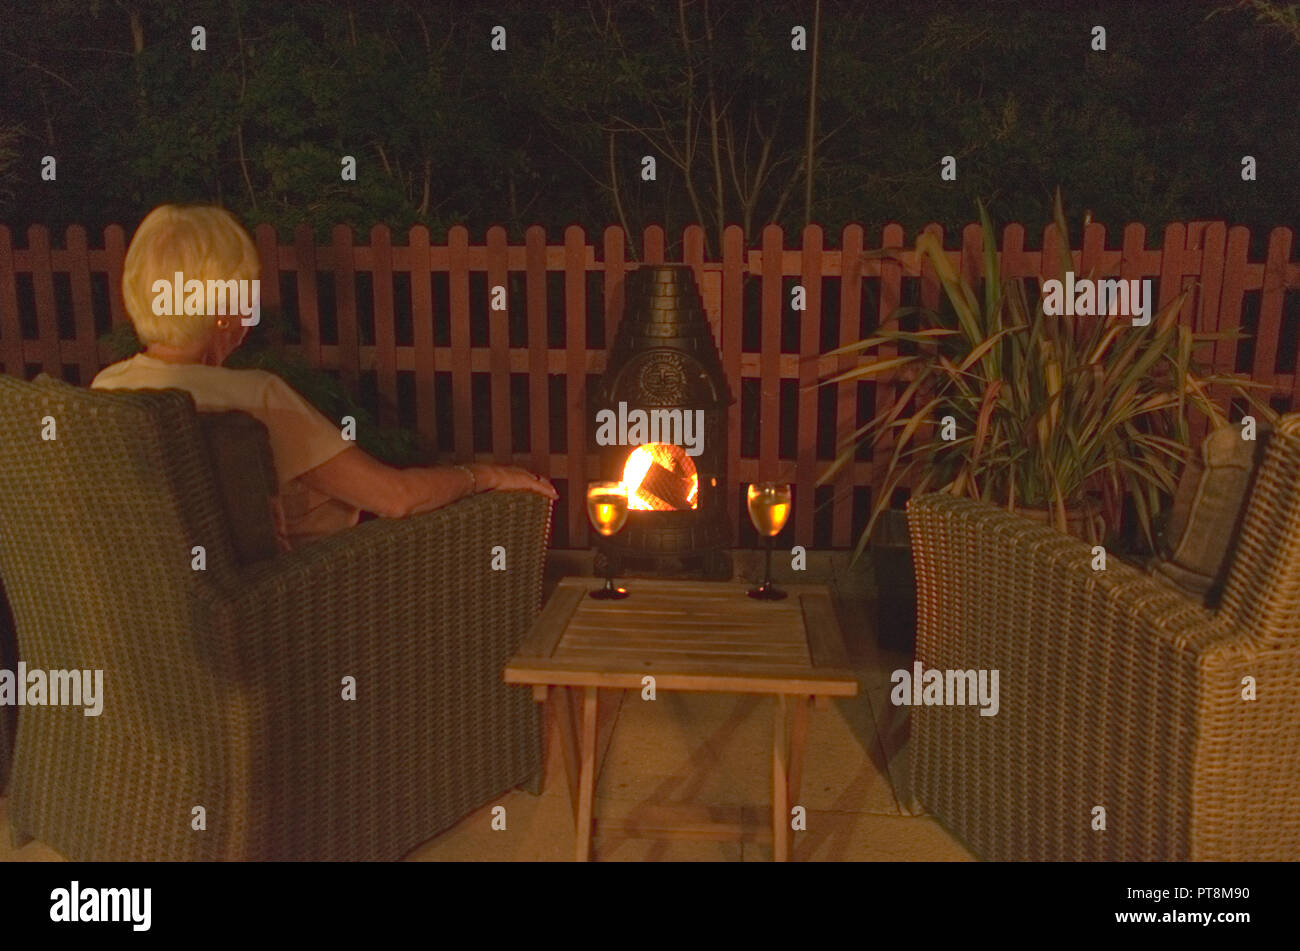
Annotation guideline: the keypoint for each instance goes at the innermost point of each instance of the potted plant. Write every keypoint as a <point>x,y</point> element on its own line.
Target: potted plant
<point>1058,418</point>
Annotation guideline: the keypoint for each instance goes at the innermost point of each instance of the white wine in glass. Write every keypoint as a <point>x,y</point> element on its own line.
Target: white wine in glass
<point>769,506</point>
<point>769,510</point>
<point>607,511</point>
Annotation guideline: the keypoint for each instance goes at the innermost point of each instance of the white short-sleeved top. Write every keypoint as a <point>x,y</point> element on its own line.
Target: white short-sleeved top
<point>301,438</point>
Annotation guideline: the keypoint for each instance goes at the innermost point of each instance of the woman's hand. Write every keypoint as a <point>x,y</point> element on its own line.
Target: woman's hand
<point>511,478</point>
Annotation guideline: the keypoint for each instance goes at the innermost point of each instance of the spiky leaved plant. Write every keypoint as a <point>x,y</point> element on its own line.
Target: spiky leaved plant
<point>1051,412</point>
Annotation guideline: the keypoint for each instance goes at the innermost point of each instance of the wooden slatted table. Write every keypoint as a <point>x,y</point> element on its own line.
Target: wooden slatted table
<point>691,636</point>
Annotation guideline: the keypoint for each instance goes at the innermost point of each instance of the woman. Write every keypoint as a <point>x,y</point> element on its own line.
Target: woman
<point>325,480</point>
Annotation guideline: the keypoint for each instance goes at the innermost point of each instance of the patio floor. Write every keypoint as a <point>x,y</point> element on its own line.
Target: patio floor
<point>714,751</point>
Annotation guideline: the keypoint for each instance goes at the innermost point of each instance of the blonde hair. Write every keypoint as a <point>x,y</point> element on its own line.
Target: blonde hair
<point>203,243</point>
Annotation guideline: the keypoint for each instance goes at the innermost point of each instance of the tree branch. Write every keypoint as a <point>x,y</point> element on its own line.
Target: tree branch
<point>37,66</point>
<point>239,127</point>
<point>719,194</point>
<point>809,159</point>
<point>618,198</point>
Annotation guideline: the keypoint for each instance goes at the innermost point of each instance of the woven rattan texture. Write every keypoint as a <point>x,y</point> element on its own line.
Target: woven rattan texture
<point>1115,690</point>
<point>223,687</point>
<point>8,714</point>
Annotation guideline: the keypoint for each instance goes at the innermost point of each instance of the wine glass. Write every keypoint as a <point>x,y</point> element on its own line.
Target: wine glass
<point>607,510</point>
<point>769,510</point>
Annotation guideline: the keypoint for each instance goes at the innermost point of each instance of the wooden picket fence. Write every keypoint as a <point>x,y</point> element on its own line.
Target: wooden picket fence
<point>477,383</point>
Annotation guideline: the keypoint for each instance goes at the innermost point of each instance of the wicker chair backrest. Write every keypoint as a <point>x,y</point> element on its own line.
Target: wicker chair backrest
<point>98,528</point>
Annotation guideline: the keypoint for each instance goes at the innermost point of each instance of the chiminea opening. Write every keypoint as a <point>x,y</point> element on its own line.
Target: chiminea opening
<point>661,423</point>
<point>660,477</point>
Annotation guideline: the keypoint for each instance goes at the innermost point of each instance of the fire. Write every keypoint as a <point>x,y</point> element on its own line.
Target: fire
<point>660,477</point>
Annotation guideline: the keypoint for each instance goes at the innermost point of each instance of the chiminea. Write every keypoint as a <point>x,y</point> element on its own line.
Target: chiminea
<point>661,423</point>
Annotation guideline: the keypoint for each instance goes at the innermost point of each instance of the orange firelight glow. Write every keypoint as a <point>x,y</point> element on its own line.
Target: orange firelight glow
<point>661,477</point>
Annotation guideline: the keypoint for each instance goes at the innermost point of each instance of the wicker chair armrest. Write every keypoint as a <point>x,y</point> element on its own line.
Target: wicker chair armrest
<point>344,602</point>
<point>1006,569</point>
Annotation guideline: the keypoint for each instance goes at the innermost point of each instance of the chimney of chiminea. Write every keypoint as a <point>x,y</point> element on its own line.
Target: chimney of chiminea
<point>662,406</point>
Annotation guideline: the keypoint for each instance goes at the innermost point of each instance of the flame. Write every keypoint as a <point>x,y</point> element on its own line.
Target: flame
<point>673,470</point>
<point>638,464</point>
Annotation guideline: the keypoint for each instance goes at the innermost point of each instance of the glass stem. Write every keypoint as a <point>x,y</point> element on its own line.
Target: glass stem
<point>767,571</point>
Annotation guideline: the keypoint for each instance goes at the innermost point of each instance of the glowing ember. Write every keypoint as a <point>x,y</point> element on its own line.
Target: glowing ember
<point>660,477</point>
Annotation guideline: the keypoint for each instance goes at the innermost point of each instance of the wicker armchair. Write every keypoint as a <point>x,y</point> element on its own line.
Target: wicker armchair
<point>8,714</point>
<point>223,687</point>
<point>1115,689</point>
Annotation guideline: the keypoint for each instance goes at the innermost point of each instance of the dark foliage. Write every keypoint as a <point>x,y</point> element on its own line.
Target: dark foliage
<point>445,130</point>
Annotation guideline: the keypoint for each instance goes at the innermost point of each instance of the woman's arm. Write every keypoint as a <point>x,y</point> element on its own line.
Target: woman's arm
<point>363,481</point>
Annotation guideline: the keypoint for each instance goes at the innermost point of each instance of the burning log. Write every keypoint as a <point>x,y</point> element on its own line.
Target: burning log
<point>660,477</point>
<point>663,489</point>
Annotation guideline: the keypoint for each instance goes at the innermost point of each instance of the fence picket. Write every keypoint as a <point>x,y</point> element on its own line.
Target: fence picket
<point>575,365</point>
<point>47,322</point>
<point>653,244</point>
<point>846,394</point>
<point>83,314</point>
<point>769,360</point>
<point>539,390</point>
<point>268,250</point>
<point>810,327</point>
<point>462,404</point>
<point>115,251</point>
<point>426,390</point>
<point>1092,258</point>
<point>615,273</point>
<point>1212,241</point>
<point>304,246</point>
<point>891,289</point>
<point>1235,267</point>
<point>1213,248</point>
<point>11,331</point>
<point>345,300</point>
<point>499,341</point>
<point>1014,262</point>
<point>733,321</point>
<point>381,273</point>
<point>1171,265</point>
<point>972,253</point>
<point>693,254</point>
<point>1270,308</point>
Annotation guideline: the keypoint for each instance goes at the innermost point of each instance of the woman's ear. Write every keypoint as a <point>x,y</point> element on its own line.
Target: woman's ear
<point>227,334</point>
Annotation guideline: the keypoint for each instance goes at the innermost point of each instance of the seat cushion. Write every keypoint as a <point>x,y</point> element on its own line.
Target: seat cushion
<point>1206,515</point>
<point>240,451</point>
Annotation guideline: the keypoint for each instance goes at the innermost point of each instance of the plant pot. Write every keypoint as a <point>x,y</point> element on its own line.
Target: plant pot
<point>1083,520</point>
<point>891,560</point>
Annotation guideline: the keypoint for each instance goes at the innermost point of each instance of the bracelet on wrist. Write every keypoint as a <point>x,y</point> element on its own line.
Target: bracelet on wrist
<point>473,479</point>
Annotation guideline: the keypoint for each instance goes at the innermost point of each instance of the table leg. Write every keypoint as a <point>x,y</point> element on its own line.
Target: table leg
<point>780,785</point>
<point>789,740</point>
<point>562,723</point>
<point>798,742</point>
<point>587,777</point>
